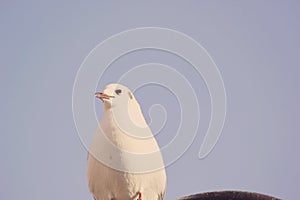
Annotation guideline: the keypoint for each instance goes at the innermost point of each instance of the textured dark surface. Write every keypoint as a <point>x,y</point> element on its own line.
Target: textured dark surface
<point>228,195</point>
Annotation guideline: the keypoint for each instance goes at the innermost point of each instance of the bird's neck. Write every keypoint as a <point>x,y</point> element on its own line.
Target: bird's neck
<point>132,112</point>
<point>127,119</point>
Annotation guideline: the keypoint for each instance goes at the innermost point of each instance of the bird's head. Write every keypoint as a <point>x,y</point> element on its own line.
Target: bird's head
<point>121,101</point>
<point>115,95</point>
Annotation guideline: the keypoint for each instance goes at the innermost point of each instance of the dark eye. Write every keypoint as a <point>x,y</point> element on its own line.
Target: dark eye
<point>118,91</point>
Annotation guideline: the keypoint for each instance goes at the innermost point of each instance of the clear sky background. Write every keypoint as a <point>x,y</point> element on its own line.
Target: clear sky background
<point>255,44</point>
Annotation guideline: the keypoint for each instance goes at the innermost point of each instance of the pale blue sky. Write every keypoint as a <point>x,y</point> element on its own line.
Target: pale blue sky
<point>255,44</point>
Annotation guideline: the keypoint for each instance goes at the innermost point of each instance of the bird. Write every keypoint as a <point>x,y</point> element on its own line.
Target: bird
<point>124,125</point>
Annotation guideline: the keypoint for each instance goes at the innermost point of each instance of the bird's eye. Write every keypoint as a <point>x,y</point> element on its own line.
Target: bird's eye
<point>118,91</point>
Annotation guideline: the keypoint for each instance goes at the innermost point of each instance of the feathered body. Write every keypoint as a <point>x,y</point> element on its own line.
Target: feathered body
<point>107,183</point>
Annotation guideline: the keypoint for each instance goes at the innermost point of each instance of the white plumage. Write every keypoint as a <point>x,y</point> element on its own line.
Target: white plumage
<point>123,124</point>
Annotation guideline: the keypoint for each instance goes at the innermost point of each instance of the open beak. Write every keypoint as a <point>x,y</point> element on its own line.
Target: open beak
<point>102,96</point>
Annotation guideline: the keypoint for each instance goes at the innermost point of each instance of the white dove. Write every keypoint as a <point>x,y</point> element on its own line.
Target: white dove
<point>123,124</point>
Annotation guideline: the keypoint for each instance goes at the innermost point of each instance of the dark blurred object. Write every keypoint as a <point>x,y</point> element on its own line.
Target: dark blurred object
<point>228,195</point>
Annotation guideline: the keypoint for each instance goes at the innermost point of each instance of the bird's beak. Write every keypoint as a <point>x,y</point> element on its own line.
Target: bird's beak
<point>102,96</point>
